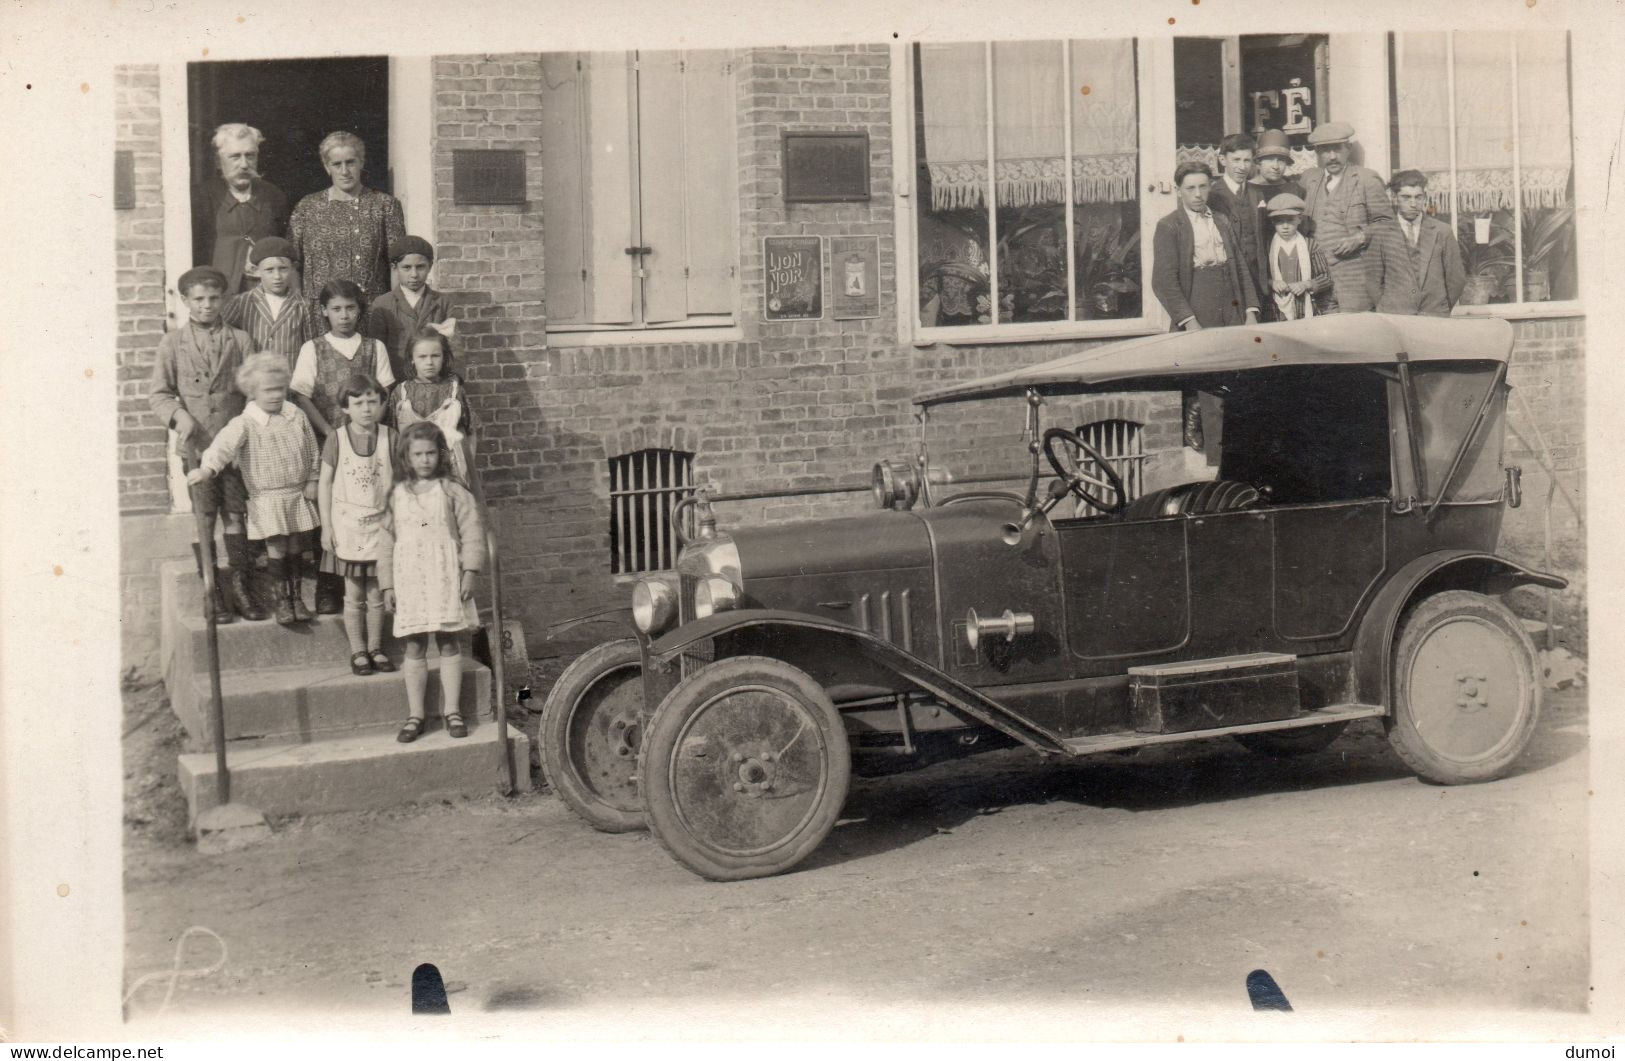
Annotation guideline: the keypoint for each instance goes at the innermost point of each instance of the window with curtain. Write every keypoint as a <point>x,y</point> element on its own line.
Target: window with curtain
<point>639,189</point>
<point>1486,117</point>
<point>1028,182</point>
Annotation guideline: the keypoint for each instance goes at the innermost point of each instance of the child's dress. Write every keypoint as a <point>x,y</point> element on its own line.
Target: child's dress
<point>322,368</point>
<point>440,401</point>
<point>360,502</point>
<point>276,455</point>
<point>430,545</point>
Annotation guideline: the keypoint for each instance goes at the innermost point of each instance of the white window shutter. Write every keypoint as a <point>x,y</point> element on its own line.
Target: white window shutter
<point>661,170</point>
<point>564,186</point>
<point>711,180</point>
<point>607,174</point>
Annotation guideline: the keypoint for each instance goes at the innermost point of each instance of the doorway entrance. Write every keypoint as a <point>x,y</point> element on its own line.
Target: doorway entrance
<point>294,103</point>
<point>1246,84</point>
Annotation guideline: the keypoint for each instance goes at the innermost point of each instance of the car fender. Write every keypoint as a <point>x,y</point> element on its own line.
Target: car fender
<point>613,616</point>
<point>911,668</point>
<point>1446,569</point>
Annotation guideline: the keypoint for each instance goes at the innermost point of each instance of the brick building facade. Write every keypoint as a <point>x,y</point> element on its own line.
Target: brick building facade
<point>771,404</point>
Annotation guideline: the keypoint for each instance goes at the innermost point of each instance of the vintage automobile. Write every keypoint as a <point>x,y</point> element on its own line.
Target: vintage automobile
<point>1340,566</point>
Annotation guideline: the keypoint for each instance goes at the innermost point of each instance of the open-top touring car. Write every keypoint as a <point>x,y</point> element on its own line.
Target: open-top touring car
<point>1340,566</point>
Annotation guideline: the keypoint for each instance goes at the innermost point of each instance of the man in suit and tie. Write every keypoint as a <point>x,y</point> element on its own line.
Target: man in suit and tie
<point>1242,204</point>
<point>1199,275</point>
<point>1416,264</point>
<point>1344,202</point>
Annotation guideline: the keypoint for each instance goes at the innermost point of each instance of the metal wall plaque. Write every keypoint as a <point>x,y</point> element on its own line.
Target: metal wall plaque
<point>488,178</point>
<point>124,180</point>
<point>826,167</point>
<point>793,287</point>
<point>854,267</point>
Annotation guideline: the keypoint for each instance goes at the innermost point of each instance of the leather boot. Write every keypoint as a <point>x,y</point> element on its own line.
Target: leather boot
<point>296,587</point>
<point>277,572</point>
<point>222,604</point>
<point>237,580</point>
<point>329,594</point>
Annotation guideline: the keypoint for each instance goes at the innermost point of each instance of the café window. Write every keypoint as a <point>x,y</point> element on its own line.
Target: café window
<point>639,166</point>
<point>1249,83</point>
<point>1028,186</point>
<point>1486,117</point>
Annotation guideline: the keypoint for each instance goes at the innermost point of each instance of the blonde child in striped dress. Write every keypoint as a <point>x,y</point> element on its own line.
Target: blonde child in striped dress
<point>273,447</point>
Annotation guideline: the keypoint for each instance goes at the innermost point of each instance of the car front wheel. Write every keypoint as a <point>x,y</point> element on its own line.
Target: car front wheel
<point>744,768</point>
<point>590,735</point>
<point>1465,694</point>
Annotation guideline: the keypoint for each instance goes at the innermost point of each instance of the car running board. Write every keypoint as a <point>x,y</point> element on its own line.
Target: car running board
<point>1111,742</point>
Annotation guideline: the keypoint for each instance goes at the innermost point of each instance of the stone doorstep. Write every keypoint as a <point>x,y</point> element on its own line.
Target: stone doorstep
<point>364,771</point>
<point>306,702</point>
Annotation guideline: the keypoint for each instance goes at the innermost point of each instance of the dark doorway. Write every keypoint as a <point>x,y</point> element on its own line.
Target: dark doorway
<point>294,103</point>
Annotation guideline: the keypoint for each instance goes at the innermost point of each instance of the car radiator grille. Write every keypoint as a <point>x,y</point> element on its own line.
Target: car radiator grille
<point>700,653</point>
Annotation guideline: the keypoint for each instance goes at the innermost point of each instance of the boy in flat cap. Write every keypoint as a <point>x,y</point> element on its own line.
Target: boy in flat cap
<point>271,313</point>
<point>1342,202</point>
<point>397,315</point>
<point>194,392</point>
<point>1416,264</point>
<point>1299,281</point>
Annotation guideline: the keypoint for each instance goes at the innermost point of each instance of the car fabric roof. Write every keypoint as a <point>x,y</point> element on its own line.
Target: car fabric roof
<point>1333,339</point>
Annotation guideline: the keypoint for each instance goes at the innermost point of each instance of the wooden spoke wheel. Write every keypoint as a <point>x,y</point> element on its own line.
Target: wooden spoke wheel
<point>1465,695</point>
<point>744,768</point>
<point>590,735</point>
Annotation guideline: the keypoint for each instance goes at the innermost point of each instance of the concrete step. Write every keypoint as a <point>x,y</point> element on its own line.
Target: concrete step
<point>244,645</point>
<point>363,771</point>
<point>306,702</point>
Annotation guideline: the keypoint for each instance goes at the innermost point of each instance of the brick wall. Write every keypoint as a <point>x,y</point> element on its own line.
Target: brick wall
<point>788,404</point>
<point>140,279</point>
<point>1546,438</point>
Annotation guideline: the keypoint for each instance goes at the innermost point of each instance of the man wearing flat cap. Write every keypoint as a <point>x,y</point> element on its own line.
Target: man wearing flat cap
<point>272,312</point>
<point>1342,202</point>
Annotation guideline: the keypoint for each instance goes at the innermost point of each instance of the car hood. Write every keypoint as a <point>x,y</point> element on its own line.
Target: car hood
<point>877,541</point>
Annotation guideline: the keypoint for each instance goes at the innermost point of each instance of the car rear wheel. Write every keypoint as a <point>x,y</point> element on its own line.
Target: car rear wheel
<point>744,768</point>
<point>1285,743</point>
<point>590,735</point>
<point>1465,694</point>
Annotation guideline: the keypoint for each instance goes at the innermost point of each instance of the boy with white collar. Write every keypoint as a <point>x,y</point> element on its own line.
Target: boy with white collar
<point>1299,281</point>
<point>395,316</point>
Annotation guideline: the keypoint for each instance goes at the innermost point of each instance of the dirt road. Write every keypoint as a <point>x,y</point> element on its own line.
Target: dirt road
<point>1167,876</point>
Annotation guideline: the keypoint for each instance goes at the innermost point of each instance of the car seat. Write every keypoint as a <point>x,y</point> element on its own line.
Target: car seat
<point>1194,499</point>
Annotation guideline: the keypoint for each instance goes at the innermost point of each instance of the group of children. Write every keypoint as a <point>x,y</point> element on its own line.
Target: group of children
<point>304,436</point>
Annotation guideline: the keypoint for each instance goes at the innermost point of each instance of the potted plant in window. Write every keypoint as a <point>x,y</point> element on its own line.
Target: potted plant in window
<point>1548,241</point>
<point>1487,264</point>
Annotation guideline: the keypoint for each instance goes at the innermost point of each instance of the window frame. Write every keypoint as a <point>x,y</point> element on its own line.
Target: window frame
<point>648,461</point>
<point>1520,309</point>
<point>1155,117</point>
<point>705,328</point>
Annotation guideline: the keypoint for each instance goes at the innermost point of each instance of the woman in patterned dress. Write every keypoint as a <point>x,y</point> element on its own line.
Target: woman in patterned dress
<point>347,231</point>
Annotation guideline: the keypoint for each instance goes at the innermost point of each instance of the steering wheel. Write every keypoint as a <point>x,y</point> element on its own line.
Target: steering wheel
<point>1072,473</point>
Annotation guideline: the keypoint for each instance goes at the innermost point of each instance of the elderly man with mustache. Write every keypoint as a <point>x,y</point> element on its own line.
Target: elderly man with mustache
<point>241,208</point>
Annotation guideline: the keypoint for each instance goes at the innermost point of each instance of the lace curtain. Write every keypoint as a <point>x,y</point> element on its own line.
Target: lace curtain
<point>1029,100</point>
<point>1484,94</point>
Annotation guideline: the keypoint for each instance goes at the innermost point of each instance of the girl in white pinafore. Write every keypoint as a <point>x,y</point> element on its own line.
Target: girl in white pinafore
<point>356,477</point>
<point>432,546</point>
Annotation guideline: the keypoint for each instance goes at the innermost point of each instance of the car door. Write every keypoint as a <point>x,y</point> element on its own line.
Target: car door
<point>1127,587</point>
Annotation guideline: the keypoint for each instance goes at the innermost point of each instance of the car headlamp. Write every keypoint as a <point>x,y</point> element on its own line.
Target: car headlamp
<point>654,606</point>
<point>895,483</point>
<point>714,594</point>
